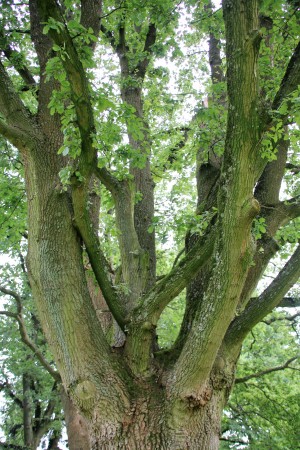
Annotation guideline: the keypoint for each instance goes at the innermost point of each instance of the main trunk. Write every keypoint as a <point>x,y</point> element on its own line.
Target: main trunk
<point>155,423</point>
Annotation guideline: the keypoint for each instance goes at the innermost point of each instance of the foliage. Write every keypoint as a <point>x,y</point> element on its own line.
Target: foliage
<point>263,412</point>
<point>22,377</point>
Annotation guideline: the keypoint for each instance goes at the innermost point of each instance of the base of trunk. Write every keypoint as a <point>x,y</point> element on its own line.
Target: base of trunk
<point>156,425</point>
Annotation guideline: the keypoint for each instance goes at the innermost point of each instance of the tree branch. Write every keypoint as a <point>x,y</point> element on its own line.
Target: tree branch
<point>78,83</point>
<point>43,426</point>
<point>96,256</point>
<point>15,295</point>
<point>172,284</point>
<point>289,302</point>
<point>11,446</point>
<point>276,215</point>
<point>105,176</point>
<point>7,388</point>
<point>293,168</point>
<point>24,335</point>
<point>291,79</point>
<point>149,42</point>
<point>267,371</point>
<point>276,319</point>
<point>91,11</point>
<point>109,36</point>
<point>16,60</point>
<point>16,124</point>
<point>257,309</point>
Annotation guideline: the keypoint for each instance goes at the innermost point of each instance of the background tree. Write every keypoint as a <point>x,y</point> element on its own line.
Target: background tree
<point>68,127</point>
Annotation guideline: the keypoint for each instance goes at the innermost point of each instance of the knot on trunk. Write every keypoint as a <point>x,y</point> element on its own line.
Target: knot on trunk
<point>250,209</point>
<point>197,400</point>
<point>84,393</point>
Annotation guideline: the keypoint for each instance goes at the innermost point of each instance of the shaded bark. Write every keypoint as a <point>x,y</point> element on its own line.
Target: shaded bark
<point>77,428</point>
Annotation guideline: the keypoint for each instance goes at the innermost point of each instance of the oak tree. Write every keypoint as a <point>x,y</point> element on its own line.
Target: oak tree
<point>83,147</point>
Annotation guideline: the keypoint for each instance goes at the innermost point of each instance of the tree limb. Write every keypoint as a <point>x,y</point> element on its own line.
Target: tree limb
<point>276,215</point>
<point>291,79</point>
<point>149,42</point>
<point>96,256</point>
<point>289,302</point>
<point>15,295</point>
<point>106,177</point>
<point>109,36</point>
<point>293,168</point>
<point>7,388</point>
<point>272,296</point>
<point>172,284</point>
<point>267,371</point>
<point>11,446</point>
<point>16,124</point>
<point>24,335</point>
<point>275,319</point>
<point>43,426</point>
<point>76,75</point>
<point>91,15</point>
<point>14,57</point>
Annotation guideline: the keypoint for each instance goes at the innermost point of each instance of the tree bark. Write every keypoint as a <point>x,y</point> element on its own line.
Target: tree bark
<point>153,422</point>
<point>77,428</point>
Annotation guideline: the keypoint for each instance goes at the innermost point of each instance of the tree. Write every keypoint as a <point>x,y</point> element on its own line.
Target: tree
<point>32,409</point>
<point>68,125</point>
<point>263,408</point>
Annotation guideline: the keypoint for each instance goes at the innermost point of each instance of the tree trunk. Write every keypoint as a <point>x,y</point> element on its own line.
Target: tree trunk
<point>153,422</point>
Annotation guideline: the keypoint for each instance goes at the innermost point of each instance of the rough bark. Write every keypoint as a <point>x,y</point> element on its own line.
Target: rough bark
<point>131,397</point>
<point>153,423</point>
<point>77,429</point>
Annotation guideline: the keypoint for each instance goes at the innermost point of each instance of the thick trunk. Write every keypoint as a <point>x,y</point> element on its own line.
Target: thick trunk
<point>59,285</point>
<point>155,423</point>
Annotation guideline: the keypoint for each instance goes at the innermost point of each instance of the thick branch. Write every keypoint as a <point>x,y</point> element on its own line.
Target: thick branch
<point>291,79</point>
<point>172,284</point>
<point>109,36</point>
<point>286,365</point>
<point>268,187</point>
<point>276,215</point>
<point>78,81</point>
<point>14,57</point>
<point>257,309</point>
<point>293,168</point>
<point>110,182</point>
<point>15,122</point>
<point>289,302</point>
<point>149,42</point>
<point>15,295</point>
<point>96,256</point>
<point>27,341</point>
<point>11,446</point>
<point>44,424</point>
<point>91,14</point>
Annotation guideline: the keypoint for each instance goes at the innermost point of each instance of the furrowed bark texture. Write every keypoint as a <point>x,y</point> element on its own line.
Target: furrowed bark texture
<point>129,396</point>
